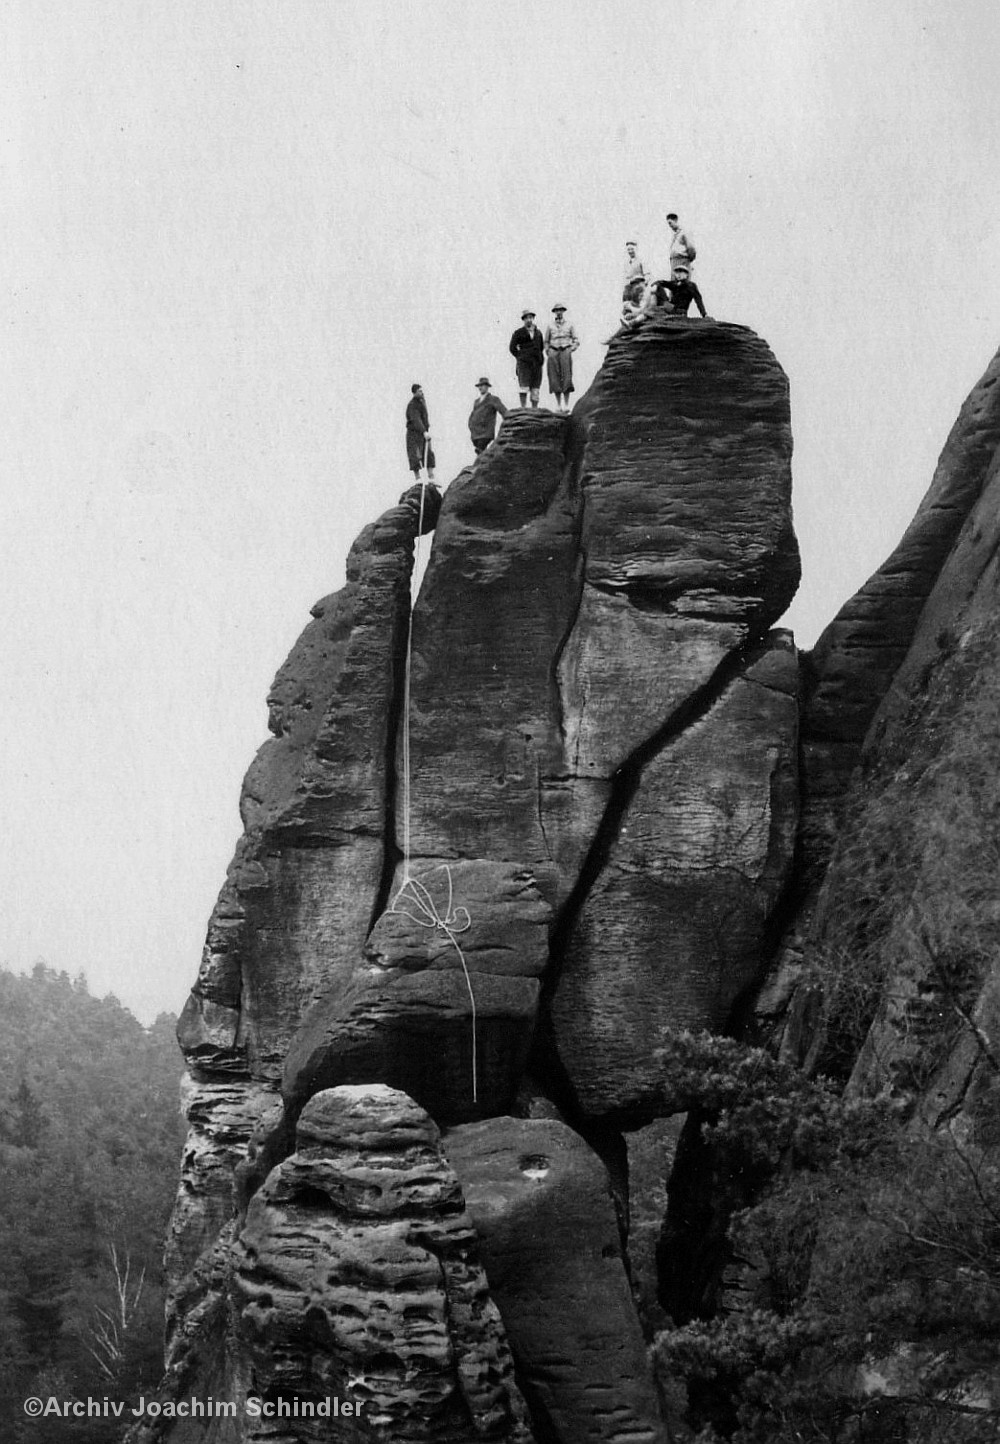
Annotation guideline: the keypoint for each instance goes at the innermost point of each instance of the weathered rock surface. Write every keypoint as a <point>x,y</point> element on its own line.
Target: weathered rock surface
<point>919,970</point>
<point>497,602</point>
<point>851,667</point>
<point>686,473</point>
<point>686,530</point>
<point>570,567</point>
<point>295,908</point>
<point>591,633</point>
<point>223,1115</point>
<point>541,1203</point>
<point>673,929</point>
<point>845,679</point>
<point>445,1013</point>
<point>650,1159</point>
<point>358,1277</point>
<point>304,886</point>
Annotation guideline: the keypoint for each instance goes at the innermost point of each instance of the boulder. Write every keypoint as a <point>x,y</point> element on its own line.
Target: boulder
<point>357,1276</point>
<point>443,1005</point>
<point>541,1203</point>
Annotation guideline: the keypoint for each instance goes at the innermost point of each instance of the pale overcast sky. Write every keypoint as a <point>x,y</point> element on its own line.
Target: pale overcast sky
<point>235,231</point>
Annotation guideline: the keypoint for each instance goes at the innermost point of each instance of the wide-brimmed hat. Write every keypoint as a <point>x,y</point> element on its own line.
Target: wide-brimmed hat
<point>682,270</point>
<point>558,308</point>
<point>483,381</point>
<point>526,314</point>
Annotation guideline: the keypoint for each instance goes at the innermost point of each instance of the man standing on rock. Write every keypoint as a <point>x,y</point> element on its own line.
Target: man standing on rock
<point>418,434</point>
<point>526,349</point>
<point>634,270</point>
<point>682,250</point>
<point>561,341</point>
<point>483,416</point>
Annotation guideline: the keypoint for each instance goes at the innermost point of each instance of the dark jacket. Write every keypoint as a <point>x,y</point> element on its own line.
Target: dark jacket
<point>682,293</point>
<point>525,346</point>
<point>416,416</point>
<point>482,418</point>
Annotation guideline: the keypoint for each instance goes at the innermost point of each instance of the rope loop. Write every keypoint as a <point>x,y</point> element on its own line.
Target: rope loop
<point>452,922</point>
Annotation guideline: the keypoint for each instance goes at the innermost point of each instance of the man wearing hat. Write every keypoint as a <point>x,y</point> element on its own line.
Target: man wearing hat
<point>483,416</point>
<point>526,349</point>
<point>561,341</point>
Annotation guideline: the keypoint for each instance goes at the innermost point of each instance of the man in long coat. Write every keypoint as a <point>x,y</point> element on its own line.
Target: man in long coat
<point>526,349</point>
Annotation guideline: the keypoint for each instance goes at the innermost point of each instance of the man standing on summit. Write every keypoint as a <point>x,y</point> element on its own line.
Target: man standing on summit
<point>561,341</point>
<point>418,434</point>
<point>634,269</point>
<point>682,251</point>
<point>483,416</point>
<point>526,349</point>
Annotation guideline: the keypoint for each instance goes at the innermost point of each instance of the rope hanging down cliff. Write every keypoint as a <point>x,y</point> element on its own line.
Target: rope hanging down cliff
<point>411,890</point>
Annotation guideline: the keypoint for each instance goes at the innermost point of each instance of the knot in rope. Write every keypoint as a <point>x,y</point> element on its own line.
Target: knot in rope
<point>452,922</point>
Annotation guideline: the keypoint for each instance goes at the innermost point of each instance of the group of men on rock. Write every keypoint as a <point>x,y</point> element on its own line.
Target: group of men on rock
<point>528,347</point>
<point>643,297</point>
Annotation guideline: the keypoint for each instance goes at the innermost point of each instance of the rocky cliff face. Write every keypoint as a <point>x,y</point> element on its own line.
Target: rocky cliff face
<point>921,827</point>
<point>432,1023</point>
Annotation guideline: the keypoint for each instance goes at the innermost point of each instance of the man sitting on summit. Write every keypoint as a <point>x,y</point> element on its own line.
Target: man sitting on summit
<point>682,291</point>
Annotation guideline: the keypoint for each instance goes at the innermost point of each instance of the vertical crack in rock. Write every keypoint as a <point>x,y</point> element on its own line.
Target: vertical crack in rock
<point>598,1052</point>
<point>597,589</point>
<point>498,600</point>
<point>575,445</point>
<point>394,720</point>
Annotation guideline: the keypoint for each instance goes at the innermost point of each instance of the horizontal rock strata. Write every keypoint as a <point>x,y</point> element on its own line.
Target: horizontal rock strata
<point>589,636</point>
<point>358,1276</point>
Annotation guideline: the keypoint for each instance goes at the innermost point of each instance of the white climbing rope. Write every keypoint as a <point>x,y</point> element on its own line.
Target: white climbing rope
<point>454,920</point>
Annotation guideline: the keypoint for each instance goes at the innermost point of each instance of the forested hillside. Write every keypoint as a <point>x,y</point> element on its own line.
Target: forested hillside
<point>90,1135</point>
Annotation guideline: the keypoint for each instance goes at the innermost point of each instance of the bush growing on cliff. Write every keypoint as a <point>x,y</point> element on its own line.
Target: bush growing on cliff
<point>873,1254</point>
